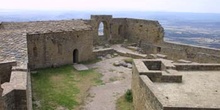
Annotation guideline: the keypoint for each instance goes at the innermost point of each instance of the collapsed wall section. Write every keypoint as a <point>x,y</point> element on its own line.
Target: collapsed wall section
<point>144,31</point>
<point>116,30</point>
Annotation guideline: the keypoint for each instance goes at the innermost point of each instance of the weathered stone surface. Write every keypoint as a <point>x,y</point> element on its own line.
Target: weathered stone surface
<point>116,63</point>
<point>150,92</point>
<point>80,67</point>
<point>108,56</point>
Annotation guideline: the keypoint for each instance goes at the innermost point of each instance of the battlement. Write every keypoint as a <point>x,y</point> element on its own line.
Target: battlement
<point>100,17</point>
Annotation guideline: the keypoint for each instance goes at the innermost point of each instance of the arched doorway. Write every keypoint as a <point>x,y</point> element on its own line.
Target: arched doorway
<point>75,56</point>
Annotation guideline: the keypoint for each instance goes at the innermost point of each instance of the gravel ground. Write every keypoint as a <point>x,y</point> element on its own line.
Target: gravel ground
<point>116,81</point>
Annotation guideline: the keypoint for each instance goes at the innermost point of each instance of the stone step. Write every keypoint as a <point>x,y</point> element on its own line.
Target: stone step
<point>80,67</point>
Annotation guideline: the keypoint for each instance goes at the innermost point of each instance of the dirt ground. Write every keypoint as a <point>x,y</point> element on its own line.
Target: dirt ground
<point>117,80</point>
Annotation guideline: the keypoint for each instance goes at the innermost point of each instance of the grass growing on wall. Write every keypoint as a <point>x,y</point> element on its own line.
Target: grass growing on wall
<point>62,87</point>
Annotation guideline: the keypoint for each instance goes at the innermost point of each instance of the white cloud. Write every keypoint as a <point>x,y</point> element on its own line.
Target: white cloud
<point>114,5</point>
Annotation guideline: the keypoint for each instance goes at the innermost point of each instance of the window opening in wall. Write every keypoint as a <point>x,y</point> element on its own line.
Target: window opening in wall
<point>101,29</point>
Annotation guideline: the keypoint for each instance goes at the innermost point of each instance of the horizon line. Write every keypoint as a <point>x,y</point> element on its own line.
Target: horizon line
<point>64,10</point>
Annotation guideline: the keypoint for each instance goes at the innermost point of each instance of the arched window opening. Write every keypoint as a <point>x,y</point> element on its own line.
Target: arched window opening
<point>101,29</point>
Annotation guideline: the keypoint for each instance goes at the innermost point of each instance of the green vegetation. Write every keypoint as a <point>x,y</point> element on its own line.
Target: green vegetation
<point>125,102</point>
<point>62,87</point>
<point>128,95</point>
<point>128,60</point>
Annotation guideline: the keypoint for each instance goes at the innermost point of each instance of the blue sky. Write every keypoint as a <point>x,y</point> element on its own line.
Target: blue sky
<point>202,6</point>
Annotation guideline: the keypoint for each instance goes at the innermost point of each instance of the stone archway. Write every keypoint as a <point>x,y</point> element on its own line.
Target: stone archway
<point>105,20</point>
<point>103,29</point>
<point>75,56</point>
<point>103,32</point>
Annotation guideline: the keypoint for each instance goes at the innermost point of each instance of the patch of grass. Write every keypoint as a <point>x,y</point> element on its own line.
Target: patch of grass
<point>123,104</point>
<point>98,80</point>
<point>62,87</point>
<point>128,60</point>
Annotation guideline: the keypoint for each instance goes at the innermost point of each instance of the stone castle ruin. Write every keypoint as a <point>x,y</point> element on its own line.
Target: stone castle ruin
<point>26,46</point>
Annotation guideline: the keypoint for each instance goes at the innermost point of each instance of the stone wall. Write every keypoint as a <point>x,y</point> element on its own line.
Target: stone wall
<point>193,53</point>
<point>29,92</point>
<point>94,22</point>
<point>144,31</point>
<point>9,102</point>
<point>116,30</point>
<point>57,48</point>
<point>5,70</point>
<point>1,25</point>
<point>103,52</point>
<point>15,100</point>
<point>5,74</point>
<point>142,90</point>
<point>147,96</point>
<point>197,67</point>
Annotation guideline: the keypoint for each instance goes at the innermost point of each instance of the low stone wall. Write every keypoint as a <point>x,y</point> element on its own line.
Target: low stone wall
<point>14,92</point>
<point>193,53</point>
<point>188,108</point>
<point>103,52</point>
<point>177,51</point>
<point>197,67</point>
<point>142,87</point>
<point>145,94</point>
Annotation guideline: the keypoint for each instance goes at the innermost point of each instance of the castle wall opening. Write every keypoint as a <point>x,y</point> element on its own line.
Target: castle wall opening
<point>101,29</point>
<point>75,56</point>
